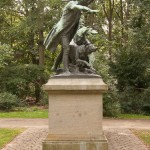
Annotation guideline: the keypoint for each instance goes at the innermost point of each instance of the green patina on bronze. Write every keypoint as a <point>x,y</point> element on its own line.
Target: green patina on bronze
<point>64,31</point>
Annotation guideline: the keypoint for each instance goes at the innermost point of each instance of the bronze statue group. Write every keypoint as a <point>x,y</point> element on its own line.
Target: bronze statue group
<point>72,36</point>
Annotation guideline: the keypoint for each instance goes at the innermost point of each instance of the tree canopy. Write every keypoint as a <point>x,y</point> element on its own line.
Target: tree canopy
<point>123,41</point>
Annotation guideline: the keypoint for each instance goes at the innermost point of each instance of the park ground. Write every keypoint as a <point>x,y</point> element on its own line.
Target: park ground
<point>122,134</point>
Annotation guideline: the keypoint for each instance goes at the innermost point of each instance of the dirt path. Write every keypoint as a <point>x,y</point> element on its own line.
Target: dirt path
<point>107,123</point>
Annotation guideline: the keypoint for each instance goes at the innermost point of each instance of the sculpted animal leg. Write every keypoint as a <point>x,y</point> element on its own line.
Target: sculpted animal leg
<point>58,61</point>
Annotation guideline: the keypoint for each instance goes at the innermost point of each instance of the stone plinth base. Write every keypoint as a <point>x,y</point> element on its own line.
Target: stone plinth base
<point>75,114</point>
<point>79,142</point>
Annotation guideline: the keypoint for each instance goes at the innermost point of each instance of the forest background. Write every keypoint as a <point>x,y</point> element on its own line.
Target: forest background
<point>122,58</point>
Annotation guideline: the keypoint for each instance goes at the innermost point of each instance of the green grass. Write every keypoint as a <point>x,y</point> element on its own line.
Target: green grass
<point>7,135</point>
<point>26,113</point>
<point>144,135</point>
<point>133,116</point>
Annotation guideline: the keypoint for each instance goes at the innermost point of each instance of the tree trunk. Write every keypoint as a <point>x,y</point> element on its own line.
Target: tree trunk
<point>31,48</point>
<point>40,32</point>
<point>41,48</point>
<point>110,27</point>
<point>122,20</point>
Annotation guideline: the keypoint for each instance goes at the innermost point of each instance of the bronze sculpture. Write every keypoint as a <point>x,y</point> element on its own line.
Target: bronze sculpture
<point>80,49</point>
<point>64,31</point>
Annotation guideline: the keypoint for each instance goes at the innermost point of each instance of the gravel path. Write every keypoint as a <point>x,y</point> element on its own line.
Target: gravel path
<point>31,139</point>
<point>123,139</point>
<point>119,139</point>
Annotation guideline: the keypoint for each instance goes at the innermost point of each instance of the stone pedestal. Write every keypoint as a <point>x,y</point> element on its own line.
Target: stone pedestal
<point>75,114</point>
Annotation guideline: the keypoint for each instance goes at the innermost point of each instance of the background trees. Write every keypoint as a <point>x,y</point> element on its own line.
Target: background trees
<point>123,57</point>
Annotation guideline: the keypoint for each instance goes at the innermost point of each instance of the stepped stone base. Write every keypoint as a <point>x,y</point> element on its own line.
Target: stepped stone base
<point>75,114</point>
<point>80,142</point>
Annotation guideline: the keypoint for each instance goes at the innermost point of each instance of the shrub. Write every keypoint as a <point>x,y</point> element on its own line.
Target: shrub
<point>44,99</point>
<point>146,100</point>
<point>8,101</point>
<point>6,55</point>
<point>111,104</point>
<point>23,80</point>
<point>131,100</point>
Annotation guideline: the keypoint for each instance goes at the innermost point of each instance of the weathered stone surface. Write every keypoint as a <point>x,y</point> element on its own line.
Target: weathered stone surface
<point>75,105</point>
<point>75,143</point>
<point>76,84</point>
<point>75,114</point>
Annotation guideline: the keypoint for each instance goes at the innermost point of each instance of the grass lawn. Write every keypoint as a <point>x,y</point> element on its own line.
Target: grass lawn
<point>25,113</point>
<point>132,116</point>
<point>37,112</point>
<point>7,135</point>
<point>144,135</point>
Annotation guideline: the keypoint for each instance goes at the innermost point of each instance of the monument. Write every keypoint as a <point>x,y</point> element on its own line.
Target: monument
<point>75,91</point>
